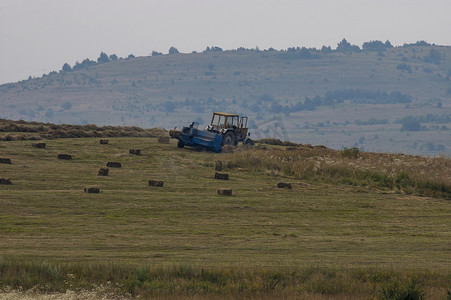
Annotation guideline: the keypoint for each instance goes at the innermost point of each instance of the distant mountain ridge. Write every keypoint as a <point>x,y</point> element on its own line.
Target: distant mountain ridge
<point>317,96</point>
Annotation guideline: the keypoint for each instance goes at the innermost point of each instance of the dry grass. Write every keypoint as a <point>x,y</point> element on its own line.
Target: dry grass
<point>423,176</point>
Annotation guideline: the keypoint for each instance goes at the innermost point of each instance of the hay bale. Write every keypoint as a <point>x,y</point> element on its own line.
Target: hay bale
<point>39,145</point>
<point>222,176</point>
<point>103,141</point>
<point>218,165</point>
<point>163,139</point>
<point>135,151</point>
<point>5,160</point>
<point>103,172</point>
<point>157,183</point>
<point>64,156</point>
<point>282,185</point>
<point>5,180</point>
<point>92,189</point>
<point>224,192</point>
<point>112,164</point>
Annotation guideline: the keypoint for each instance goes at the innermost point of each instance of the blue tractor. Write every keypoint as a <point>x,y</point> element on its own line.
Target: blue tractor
<point>196,138</point>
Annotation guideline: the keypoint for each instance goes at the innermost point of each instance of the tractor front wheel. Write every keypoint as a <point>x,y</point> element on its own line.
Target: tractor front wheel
<point>180,144</point>
<point>228,139</point>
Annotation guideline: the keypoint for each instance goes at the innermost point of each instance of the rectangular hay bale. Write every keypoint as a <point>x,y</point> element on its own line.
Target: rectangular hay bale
<point>5,180</point>
<point>103,172</point>
<point>39,145</point>
<point>135,151</point>
<point>112,164</point>
<point>282,185</point>
<point>5,160</point>
<point>64,156</point>
<point>224,192</point>
<point>222,176</point>
<point>104,141</point>
<point>92,189</point>
<point>157,183</point>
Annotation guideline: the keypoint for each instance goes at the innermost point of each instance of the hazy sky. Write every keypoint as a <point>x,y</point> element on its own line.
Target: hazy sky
<point>39,36</point>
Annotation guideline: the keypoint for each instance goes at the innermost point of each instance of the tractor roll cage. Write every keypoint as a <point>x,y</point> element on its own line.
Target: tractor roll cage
<point>226,120</point>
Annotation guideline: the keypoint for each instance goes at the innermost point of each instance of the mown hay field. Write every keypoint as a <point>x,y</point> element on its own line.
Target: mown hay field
<point>260,231</point>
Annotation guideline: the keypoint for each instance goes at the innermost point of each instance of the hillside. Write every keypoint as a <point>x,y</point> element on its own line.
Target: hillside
<point>395,99</point>
<point>353,224</point>
<point>22,130</point>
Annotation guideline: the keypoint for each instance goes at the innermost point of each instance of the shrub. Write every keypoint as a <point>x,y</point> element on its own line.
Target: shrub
<point>403,180</point>
<point>404,67</point>
<point>350,152</point>
<point>396,291</point>
<point>410,124</point>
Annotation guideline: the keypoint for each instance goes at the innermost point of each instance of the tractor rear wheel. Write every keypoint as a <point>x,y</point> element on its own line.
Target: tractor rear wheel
<point>228,139</point>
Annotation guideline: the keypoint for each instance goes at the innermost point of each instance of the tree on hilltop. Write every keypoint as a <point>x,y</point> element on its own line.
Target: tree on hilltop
<point>103,58</point>
<point>84,64</point>
<point>345,46</point>
<point>66,67</point>
<point>418,43</point>
<point>376,46</point>
<point>325,49</point>
<point>213,49</point>
<point>173,50</point>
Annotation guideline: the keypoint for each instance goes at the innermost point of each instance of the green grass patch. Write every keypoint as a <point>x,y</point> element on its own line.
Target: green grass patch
<point>180,281</point>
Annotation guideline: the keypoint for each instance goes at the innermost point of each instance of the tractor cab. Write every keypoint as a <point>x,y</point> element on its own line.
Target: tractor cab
<point>221,121</point>
<point>231,127</point>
